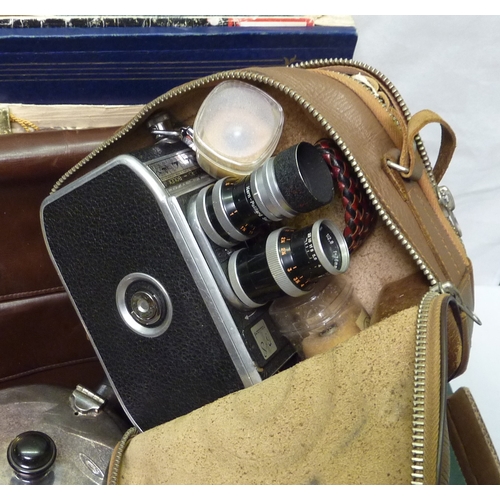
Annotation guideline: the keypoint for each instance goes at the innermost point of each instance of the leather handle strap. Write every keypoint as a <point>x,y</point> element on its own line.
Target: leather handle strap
<point>406,133</point>
<point>408,155</point>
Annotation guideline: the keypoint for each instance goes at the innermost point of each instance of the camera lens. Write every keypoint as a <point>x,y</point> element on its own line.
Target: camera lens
<point>297,180</point>
<point>290,263</point>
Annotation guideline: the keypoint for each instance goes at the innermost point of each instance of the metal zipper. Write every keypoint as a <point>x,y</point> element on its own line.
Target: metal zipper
<point>418,419</point>
<point>256,77</point>
<point>446,200</point>
<point>116,459</point>
<point>443,194</point>
<point>420,357</point>
<point>419,144</point>
<point>419,376</point>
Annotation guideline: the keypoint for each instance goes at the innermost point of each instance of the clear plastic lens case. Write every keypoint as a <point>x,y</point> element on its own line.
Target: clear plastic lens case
<point>236,129</point>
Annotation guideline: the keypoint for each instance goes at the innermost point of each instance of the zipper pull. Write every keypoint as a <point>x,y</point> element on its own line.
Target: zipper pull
<point>450,289</point>
<point>447,203</point>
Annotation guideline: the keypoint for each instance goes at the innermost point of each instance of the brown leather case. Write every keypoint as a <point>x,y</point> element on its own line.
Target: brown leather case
<point>41,337</point>
<point>471,441</point>
<point>371,124</point>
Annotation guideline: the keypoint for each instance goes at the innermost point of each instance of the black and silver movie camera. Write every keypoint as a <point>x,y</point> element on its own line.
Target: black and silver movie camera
<point>172,271</point>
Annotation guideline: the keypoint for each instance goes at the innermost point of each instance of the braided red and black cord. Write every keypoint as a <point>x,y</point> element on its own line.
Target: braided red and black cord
<point>360,215</point>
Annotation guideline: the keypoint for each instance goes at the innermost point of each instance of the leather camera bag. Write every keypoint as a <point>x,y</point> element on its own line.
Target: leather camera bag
<point>372,410</point>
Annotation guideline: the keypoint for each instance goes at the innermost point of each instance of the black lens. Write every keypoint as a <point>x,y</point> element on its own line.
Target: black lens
<point>297,180</point>
<point>290,263</point>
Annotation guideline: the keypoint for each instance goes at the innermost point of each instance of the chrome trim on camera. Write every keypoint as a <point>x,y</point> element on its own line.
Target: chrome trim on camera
<point>210,292</point>
<point>128,317</point>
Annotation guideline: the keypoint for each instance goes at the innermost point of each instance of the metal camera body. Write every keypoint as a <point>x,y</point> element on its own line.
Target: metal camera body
<point>151,289</point>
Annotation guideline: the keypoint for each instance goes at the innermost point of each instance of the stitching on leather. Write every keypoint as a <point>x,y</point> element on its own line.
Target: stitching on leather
<point>33,293</point>
<point>48,367</point>
<point>428,209</point>
<point>430,240</point>
<point>422,226</point>
<point>401,227</point>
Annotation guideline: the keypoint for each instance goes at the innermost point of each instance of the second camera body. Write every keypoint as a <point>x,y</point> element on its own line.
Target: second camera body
<point>172,272</point>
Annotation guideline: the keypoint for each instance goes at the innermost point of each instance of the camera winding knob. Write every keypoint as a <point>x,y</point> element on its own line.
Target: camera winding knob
<point>145,307</point>
<point>144,304</point>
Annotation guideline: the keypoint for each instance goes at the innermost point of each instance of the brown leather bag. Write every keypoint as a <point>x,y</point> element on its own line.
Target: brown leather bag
<point>41,338</point>
<point>373,409</point>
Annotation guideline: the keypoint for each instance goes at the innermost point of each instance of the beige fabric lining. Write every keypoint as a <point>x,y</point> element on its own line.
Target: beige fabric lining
<point>343,417</point>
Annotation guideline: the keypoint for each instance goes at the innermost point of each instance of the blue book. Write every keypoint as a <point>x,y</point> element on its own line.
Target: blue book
<point>133,60</point>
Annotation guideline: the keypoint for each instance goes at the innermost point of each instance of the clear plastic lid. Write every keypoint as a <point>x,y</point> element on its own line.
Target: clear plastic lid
<point>329,315</point>
<point>236,129</point>
<point>297,318</point>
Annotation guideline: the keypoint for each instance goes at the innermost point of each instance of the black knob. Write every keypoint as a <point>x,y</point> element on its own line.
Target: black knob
<point>31,455</point>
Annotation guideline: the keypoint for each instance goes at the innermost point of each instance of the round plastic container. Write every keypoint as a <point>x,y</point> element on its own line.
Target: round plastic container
<point>236,129</point>
<point>319,321</point>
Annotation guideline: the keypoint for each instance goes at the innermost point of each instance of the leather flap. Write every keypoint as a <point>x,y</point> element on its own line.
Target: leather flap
<point>343,417</point>
<point>471,442</point>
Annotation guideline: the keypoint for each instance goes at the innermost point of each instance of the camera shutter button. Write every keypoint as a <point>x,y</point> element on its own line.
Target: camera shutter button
<point>31,455</point>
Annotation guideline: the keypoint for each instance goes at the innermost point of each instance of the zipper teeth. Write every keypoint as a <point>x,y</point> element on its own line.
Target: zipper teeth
<point>334,135</point>
<point>418,418</point>
<point>247,75</point>
<point>120,450</point>
<point>421,336</point>
<point>390,86</point>
<point>383,213</point>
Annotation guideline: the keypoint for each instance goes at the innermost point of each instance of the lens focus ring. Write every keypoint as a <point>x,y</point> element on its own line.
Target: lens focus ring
<point>338,261</point>
<point>291,261</point>
<point>273,254</point>
<point>297,180</point>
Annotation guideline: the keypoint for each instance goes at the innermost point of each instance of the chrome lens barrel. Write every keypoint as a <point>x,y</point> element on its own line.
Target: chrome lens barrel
<point>297,180</point>
<point>290,263</point>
